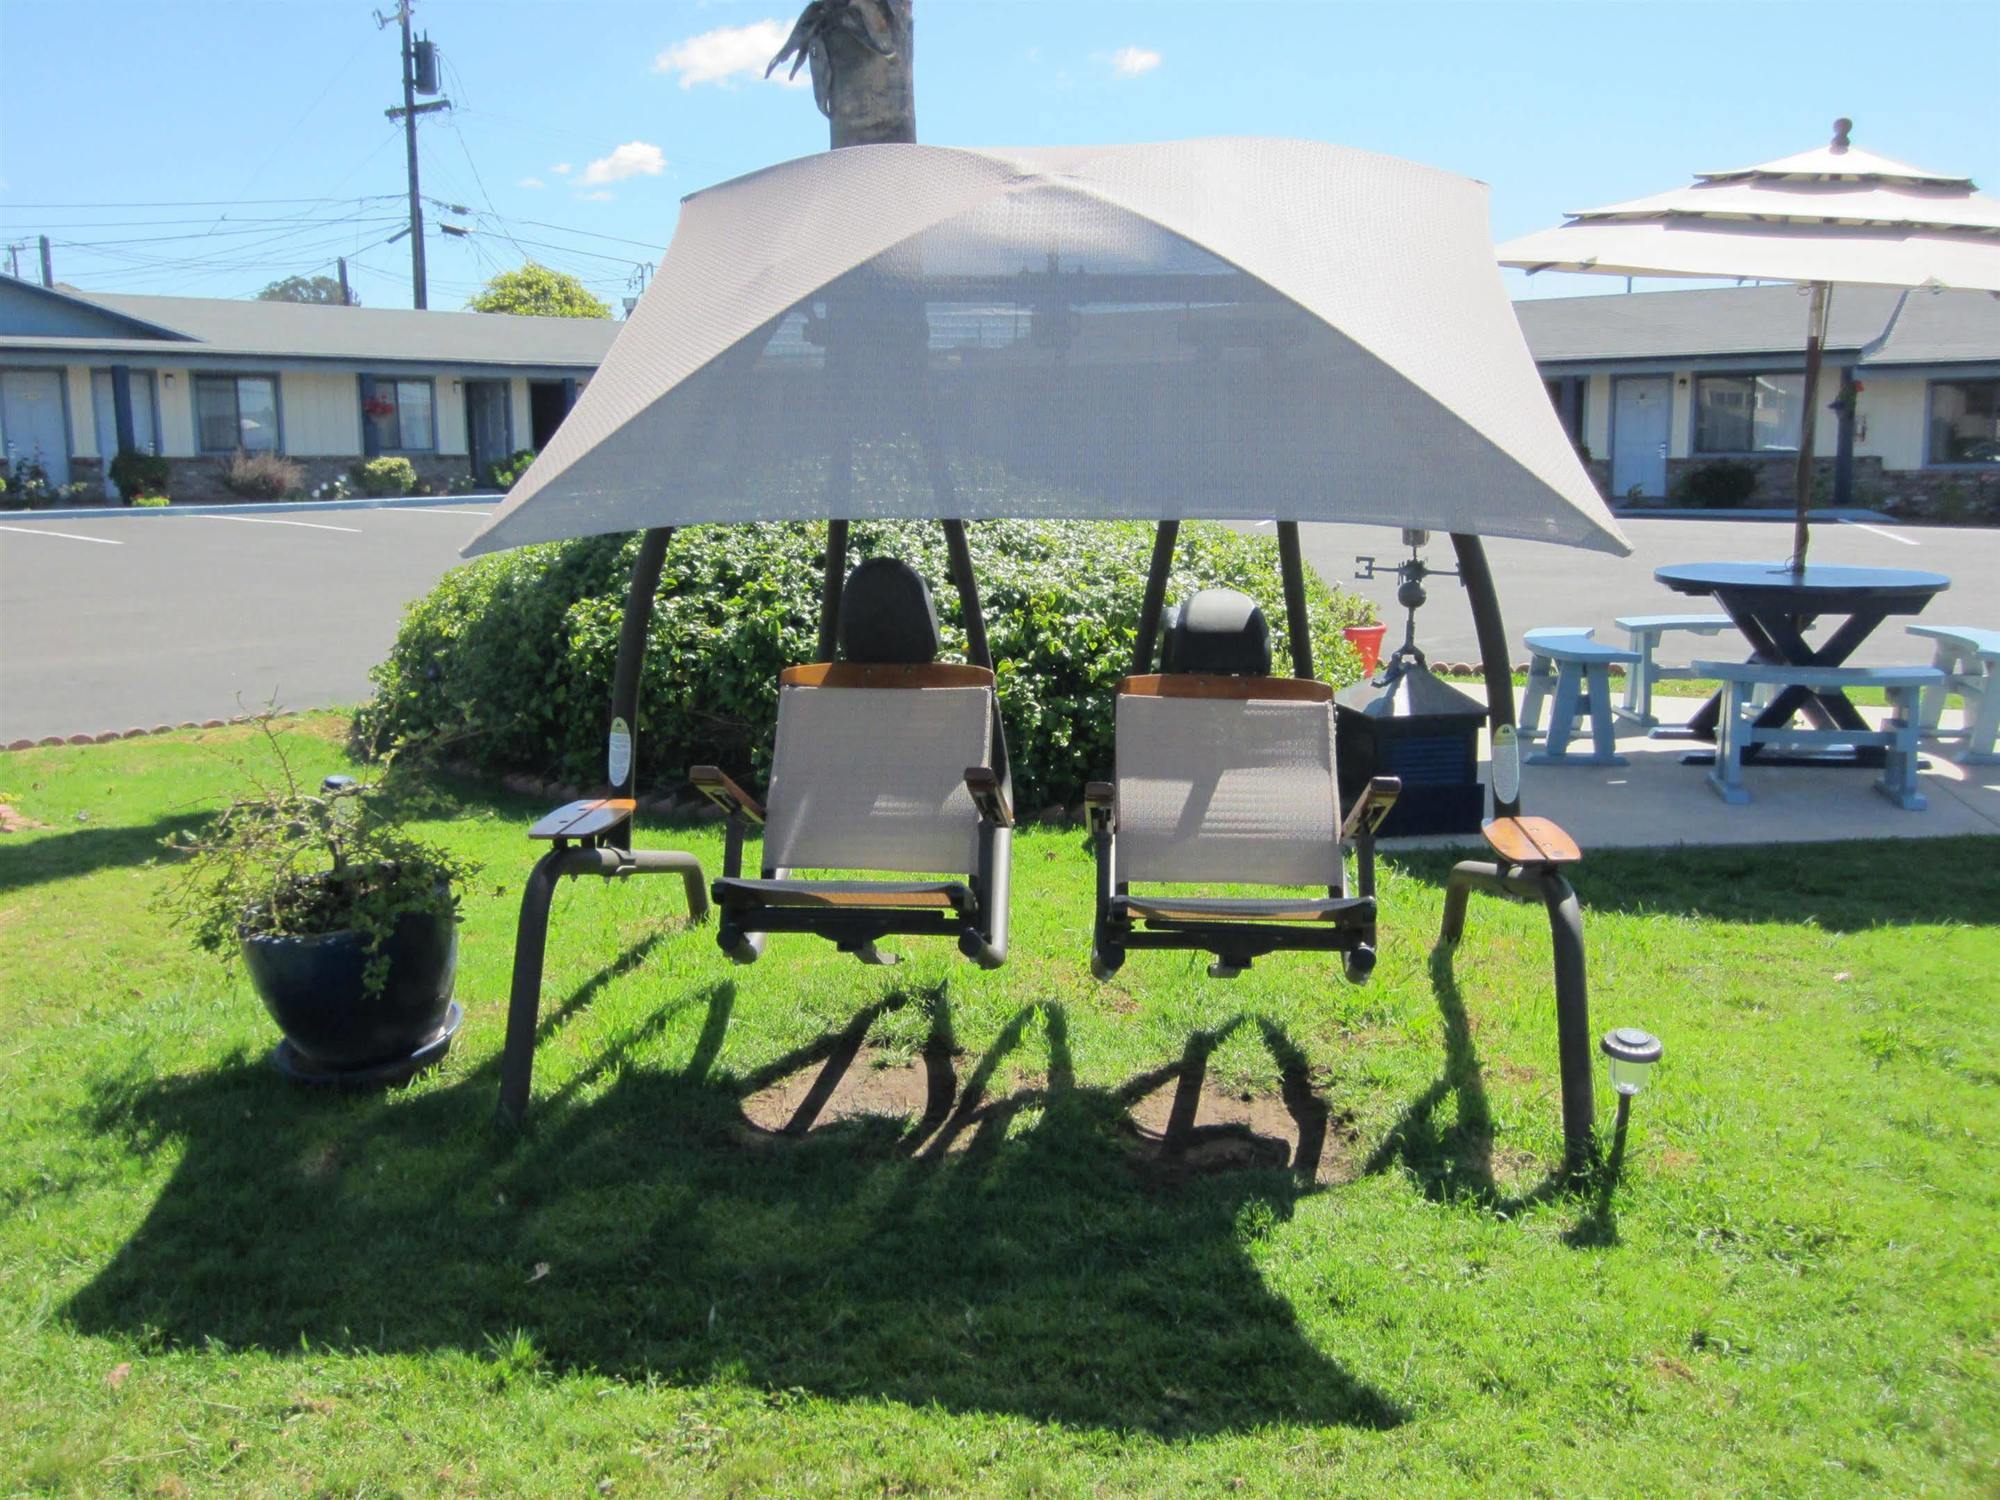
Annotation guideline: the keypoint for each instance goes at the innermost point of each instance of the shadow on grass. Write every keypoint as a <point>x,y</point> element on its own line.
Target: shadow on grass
<point>1843,886</point>
<point>1031,1253</point>
<point>1453,1160</point>
<point>68,853</point>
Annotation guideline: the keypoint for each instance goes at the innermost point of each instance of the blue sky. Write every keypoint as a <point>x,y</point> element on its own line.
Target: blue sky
<point>579,124</point>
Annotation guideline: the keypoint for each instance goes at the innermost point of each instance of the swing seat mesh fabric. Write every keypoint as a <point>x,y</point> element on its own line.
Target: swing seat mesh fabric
<point>1236,329</point>
<point>1227,790</point>
<point>874,778</point>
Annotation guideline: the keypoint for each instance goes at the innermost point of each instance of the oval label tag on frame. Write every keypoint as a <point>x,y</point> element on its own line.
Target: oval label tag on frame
<point>1506,766</point>
<point>618,757</point>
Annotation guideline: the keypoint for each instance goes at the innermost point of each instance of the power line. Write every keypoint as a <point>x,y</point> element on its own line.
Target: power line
<point>203,202</point>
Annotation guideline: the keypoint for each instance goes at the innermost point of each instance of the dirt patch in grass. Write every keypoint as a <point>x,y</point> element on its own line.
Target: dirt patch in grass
<point>12,821</point>
<point>1168,1127</point>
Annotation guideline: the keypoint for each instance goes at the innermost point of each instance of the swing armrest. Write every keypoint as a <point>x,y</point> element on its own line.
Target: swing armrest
<point>1371,807</point>
<point>988,796</point>
<point>724,793</point>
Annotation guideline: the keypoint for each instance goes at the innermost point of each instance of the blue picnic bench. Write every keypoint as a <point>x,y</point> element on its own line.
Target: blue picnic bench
<point>1969,658</point>
<point>1573,673</point>
<point>1642,633</point>
<point>1739,727</point>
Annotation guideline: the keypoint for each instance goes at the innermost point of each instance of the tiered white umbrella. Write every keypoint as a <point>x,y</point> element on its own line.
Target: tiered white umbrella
<point>1836,214</point>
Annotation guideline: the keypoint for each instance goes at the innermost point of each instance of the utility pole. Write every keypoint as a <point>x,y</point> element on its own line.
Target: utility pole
<point>408,115</point>
<point>346,298</point>
<point>14,258</point>
<point>48,274</point>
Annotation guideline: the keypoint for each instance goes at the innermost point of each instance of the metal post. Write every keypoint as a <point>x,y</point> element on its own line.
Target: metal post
<point>1802,474</point>
<point>632,647</point>
<point>1843,458</point>
<point>419,289</point>
<point>959,551</point>
<point>346,297</point>
<point>1477,577</point>
<point>1164,537</point>
<point>48,270</point>
<point>830,586</point>
<point>1298,626</point>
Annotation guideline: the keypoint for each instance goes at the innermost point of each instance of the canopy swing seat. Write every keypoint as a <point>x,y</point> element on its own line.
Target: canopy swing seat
<point>1236,329</point>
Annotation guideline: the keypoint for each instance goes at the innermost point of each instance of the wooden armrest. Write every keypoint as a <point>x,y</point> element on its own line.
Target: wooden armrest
<point>724,793</point>
<point>585,819</point>
<point>1372,806</point>
<point>1531,842</point>
<point>1099,798</point>
<point>988,797</point>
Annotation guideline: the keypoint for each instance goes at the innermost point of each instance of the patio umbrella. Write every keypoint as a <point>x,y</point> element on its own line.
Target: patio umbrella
<point>1238,328</point>
<point>1836,214</point>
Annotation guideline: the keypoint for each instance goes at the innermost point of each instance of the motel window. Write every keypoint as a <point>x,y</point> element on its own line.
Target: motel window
<point>1965,422</point>
<point>236,411</point>
<point>399,415</point>
<point>1748,413</point>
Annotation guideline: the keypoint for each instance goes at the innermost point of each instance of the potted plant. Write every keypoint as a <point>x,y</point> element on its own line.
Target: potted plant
<point>346,923</point>
<point>1364,631</point>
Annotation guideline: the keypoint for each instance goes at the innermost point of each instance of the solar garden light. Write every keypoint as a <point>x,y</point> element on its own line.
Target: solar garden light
<point>1633,1053</point>
<point>338,783</point>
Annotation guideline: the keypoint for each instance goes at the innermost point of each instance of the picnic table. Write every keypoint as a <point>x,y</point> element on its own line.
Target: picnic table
<point>1773,606</point>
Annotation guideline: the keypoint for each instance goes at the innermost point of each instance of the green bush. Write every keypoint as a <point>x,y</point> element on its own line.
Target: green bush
<point>506,664</point>
<point>138,473</point>
<point>1720,483</point>
<point>502,473</point>
<point>150,502</point>
<point>385,476</point>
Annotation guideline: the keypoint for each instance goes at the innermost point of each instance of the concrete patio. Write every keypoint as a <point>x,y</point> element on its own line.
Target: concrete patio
<point>1657,802</point>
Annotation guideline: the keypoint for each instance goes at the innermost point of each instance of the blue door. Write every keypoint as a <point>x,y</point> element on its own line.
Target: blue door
<point>1641,417</point>
<point>32,425</point>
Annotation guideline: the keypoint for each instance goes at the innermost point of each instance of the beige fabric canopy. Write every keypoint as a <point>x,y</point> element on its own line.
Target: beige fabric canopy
<point>1238,328</point>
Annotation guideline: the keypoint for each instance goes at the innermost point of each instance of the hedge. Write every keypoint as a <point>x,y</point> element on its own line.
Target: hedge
<point>506,665</point>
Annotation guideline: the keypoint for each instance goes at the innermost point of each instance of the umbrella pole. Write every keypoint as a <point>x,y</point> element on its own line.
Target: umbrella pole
<point>1802,478</point>
<point>1477,577</point>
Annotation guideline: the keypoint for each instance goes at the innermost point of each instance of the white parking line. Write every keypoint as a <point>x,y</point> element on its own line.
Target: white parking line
<point>68,536</point>
<point>273,521</point>
<point>1864,526</point>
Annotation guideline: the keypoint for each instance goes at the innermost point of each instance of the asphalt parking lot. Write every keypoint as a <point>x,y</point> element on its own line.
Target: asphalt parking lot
<point>125,620</point>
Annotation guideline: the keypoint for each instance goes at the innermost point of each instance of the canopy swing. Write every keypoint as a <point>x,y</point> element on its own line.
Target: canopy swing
<point>1237,329</point>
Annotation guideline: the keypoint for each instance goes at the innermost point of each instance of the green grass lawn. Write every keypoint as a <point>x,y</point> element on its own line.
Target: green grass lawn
<point>211,1283</point>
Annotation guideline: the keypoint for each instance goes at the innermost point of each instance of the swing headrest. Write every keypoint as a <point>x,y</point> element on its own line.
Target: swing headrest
<point>886,615</point>
<point>1218,631</point>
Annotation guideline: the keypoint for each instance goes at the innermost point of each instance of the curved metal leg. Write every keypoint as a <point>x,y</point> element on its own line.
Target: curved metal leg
<point>1572,986</point>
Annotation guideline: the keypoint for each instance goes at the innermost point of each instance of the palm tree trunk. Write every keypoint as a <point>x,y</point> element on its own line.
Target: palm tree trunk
<point>873,98</point>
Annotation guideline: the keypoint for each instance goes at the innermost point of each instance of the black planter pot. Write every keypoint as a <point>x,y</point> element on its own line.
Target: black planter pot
<point>312,986</point>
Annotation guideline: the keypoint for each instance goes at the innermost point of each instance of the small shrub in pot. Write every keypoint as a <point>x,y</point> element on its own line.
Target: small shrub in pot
<point>345,921</point>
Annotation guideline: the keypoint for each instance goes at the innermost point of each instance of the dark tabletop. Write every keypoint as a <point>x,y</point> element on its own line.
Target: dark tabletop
<point>1820,586</point>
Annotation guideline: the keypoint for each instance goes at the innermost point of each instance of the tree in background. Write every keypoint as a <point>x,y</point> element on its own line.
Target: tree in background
<point>322,291</point>
<point>537,292</point>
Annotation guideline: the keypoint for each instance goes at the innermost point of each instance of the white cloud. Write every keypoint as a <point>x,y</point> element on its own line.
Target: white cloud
<point>531,182</point>
<point>600,196</point>
<point>1130,62</point>
<point>561,169</point>
<point>633,159</point>
<point>729,54</point>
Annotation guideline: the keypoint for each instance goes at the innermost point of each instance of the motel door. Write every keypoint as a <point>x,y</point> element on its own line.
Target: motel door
<point>31,421</point>
<point>1641,416</point>
<point>486,423</point>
